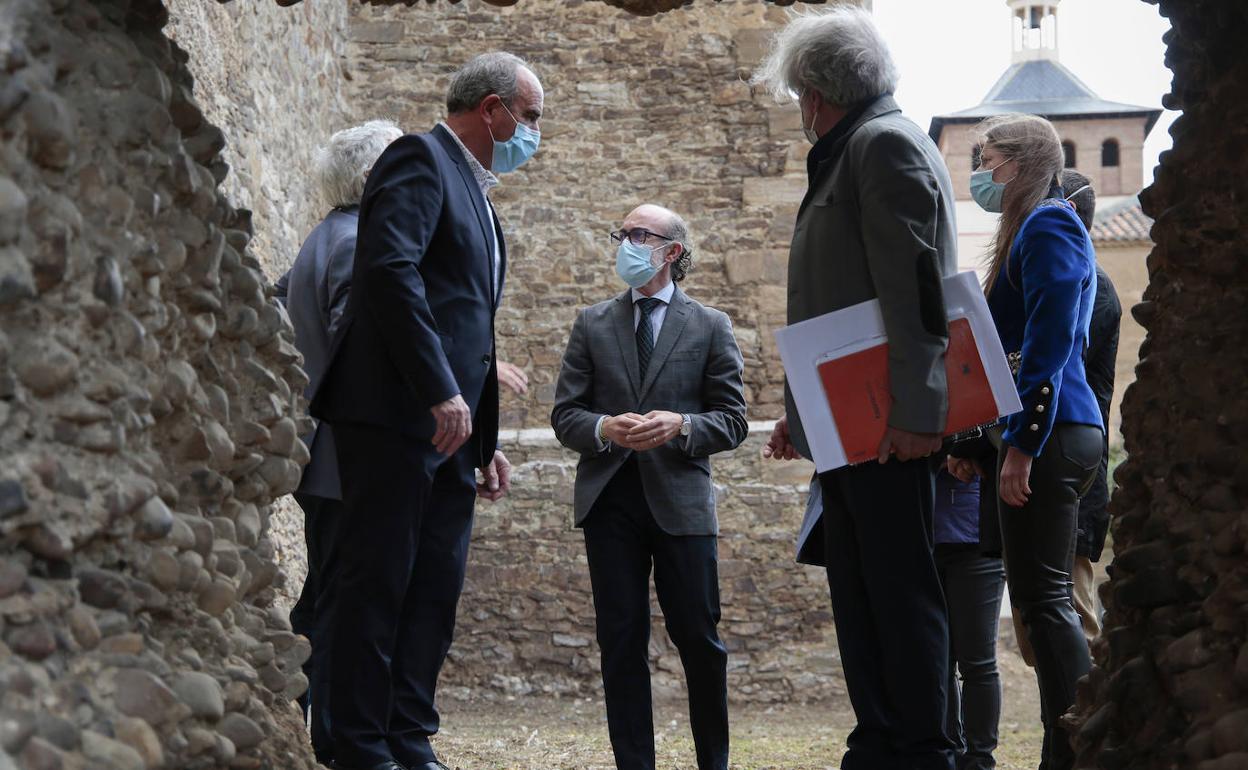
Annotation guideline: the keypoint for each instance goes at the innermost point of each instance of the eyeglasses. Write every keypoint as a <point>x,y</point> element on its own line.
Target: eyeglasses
<point>637,236</point>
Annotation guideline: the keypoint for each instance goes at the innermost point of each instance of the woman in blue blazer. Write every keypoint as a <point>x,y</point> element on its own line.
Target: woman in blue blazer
<point>1041,283</point>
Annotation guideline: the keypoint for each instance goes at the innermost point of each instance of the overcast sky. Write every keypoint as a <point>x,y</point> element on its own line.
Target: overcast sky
<point>951,52</point>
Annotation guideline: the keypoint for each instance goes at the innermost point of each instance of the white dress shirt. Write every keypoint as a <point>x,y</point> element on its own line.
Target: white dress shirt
<point>657,315</point>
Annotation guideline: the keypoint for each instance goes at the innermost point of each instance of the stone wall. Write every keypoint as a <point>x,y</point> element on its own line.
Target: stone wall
<point>274,79</point>
<point>148,415</point>
<point>1171,684</point>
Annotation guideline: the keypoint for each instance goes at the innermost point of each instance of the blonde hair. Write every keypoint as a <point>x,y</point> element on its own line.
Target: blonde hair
<point>1033,144</point>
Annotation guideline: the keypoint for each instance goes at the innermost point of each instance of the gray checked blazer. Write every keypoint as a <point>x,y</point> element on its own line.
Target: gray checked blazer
<point>695,369</point>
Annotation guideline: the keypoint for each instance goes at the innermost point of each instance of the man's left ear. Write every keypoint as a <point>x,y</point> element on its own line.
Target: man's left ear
<point>674,253</point>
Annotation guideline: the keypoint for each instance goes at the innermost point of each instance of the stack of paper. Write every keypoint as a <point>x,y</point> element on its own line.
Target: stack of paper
<point>837,369</point>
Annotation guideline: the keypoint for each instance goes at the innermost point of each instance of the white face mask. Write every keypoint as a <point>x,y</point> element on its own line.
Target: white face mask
<point>809,131</point>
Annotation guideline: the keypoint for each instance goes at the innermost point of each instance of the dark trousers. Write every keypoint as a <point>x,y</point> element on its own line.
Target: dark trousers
<point>399,563</point>
<point>310,614</point>
<point>1039,546</point>
<point>889,613</point>
<point>622,541</point>
<point>972,584</point>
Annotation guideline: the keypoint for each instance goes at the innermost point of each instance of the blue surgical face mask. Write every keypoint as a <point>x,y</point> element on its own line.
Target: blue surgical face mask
<point>511,154</point>
<point>987,193</point>
<point>635,264</point>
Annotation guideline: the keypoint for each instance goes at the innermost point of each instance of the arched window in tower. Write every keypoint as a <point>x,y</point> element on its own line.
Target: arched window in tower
<point>1068,150</point>
<point>1109,152</point>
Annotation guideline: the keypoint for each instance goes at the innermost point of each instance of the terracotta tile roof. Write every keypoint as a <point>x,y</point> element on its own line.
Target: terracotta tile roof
<point>1123,222</point>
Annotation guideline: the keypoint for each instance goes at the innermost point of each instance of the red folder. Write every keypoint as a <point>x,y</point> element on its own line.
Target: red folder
<point>856,387</point>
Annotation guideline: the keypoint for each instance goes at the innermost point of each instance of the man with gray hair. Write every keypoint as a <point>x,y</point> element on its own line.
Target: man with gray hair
<point>650,388</point>
<point>877,223</point>
<point>411,390</point>
<point>314,292</point>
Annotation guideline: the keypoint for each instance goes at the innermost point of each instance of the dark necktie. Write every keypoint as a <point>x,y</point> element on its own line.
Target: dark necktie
<point>645,334</point>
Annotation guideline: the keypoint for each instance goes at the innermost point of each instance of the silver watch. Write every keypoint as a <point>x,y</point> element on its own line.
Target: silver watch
<point>686,426</point>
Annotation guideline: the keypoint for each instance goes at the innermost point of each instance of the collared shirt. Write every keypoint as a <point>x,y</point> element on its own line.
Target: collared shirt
<point>657,315</point>
<point>486,181</point>
<point>485,178</point>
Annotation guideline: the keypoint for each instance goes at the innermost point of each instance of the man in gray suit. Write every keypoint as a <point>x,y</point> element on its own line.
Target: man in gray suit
<point>650,388</point>
<point>877,222</point>
<point>314,292</point>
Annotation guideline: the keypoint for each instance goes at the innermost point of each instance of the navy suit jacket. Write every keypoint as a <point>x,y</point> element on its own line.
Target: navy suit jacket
<point>1042,305</point>
<point>419,324</point>
<point>315,291</point>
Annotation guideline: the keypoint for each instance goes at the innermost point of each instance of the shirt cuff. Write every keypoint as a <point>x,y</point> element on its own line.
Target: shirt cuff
<point>602,445</point>
<point>689,438</point>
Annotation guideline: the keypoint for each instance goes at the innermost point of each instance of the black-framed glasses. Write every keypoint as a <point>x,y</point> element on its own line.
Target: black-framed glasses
<point>637,236</point>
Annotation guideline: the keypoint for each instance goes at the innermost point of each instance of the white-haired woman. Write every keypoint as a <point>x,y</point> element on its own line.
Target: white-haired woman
<point>876,224</point>
<point>1041,285</point>
<point>314,291</point>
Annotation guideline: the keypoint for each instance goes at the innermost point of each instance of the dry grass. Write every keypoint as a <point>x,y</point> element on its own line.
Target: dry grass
<point>532,733</point>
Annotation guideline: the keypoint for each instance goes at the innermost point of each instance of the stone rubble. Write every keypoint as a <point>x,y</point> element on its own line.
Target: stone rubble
<point>148,416</point>
<point>1170,686</point>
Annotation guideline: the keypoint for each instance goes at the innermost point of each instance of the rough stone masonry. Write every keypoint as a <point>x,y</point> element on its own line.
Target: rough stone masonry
<point>1171,684</point>
<point>148,411</point>
<point>148,415</point>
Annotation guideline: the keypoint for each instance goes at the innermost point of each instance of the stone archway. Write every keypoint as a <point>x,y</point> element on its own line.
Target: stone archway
<point>148,421</point>
<point>1171,686</point>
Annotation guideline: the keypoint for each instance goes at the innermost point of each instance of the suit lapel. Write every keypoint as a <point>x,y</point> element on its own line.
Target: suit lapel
<point>673,324</point>
<point>622,315</point>
<point>479,205</point>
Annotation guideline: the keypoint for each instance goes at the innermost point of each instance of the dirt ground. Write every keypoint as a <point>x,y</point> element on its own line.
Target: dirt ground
<point>533,733</point>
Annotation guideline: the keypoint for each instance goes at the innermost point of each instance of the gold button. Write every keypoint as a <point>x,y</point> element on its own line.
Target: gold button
<point>1035,427</point>
<point>1039,407</point>
<point>1045,390</point>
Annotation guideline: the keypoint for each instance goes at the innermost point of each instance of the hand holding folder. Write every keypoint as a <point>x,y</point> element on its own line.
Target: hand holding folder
<point>837,368</point>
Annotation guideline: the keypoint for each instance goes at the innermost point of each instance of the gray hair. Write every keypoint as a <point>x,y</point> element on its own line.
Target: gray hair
<point>839,53</point>
<point>344,161</point>
<point>485,74</point>
<point>678,231</point>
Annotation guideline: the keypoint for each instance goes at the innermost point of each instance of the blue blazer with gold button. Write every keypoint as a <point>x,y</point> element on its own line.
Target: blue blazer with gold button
<point>1042,305</point>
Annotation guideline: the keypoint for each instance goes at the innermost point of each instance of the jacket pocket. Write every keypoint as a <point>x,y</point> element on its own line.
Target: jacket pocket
<point>686,355</point>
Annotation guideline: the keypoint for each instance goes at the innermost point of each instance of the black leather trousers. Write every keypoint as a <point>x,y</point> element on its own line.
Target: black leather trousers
<point>1039,547</point>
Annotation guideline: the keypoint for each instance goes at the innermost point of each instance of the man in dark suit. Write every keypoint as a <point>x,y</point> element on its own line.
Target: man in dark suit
<point>412,394</point>
<point>877,222</point>
<point>315,291</point>
<point>651,387</point>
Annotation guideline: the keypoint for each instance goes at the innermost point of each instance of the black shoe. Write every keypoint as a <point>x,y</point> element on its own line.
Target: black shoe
<point>389,764</point>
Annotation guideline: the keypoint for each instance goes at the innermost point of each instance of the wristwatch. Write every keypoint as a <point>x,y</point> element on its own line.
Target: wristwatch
<point>686,426</point>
